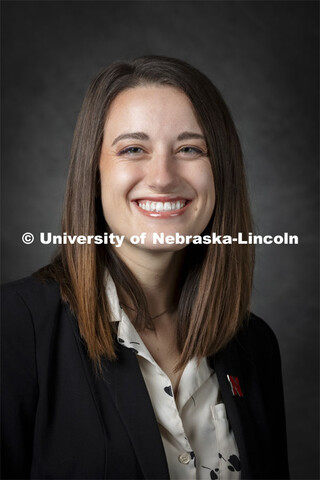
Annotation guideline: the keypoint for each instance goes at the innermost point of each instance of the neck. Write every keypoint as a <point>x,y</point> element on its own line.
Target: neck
<point>157,273</point>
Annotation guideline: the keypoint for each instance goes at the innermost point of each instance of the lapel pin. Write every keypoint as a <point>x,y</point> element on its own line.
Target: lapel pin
<point>235,386</point>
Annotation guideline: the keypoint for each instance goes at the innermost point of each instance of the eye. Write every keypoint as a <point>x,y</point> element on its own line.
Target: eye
<point>191,151</point>
<point>131,151</point>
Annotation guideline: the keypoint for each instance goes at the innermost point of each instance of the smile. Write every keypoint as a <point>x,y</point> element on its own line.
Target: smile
<point>162,206</point>
<point>162,209</point>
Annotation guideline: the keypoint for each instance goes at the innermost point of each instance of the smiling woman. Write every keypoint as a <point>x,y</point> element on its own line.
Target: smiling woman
<point>142,360</point>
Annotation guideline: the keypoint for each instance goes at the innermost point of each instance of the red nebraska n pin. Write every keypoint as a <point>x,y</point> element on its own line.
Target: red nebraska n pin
<point>235,386</point>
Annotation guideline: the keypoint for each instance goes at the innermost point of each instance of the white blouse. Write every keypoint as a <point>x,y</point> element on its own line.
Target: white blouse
<point>194,427</point>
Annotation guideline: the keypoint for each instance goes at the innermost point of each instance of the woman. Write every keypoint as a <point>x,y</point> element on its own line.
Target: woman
<point>139,359</point>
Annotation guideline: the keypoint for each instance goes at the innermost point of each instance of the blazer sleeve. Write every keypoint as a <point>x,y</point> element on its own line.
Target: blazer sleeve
<point>268,363</point>
<point>19,385</point>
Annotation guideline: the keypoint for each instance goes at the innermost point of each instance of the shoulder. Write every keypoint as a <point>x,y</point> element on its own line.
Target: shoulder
<point>258,342</point>
<point>29,303</point>
<point>31,291</point>
<point>257,330</point>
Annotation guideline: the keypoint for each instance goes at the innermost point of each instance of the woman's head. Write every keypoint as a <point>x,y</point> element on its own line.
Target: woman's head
<point>155,171</point>
<point>216,283</point>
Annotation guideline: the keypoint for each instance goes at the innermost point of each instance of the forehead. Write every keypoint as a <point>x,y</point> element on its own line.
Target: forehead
<point>150,108</point>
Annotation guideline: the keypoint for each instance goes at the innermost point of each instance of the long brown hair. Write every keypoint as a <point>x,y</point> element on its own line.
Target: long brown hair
<point>217,279</point>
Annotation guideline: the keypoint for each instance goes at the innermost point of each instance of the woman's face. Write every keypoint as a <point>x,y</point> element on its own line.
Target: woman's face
<point>156,176</point>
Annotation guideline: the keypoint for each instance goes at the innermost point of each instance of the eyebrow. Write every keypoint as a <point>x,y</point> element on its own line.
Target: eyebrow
<point>144,136</point>
<point>190,135</point>
<point>135,135</point>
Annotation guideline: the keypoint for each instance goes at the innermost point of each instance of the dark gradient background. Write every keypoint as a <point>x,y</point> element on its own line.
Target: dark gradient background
<point>263,56</point>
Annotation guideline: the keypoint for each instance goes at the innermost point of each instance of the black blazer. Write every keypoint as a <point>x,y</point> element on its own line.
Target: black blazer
<point>62,421</point>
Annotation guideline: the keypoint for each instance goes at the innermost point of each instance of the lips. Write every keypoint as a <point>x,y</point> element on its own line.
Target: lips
<point>162,207</point>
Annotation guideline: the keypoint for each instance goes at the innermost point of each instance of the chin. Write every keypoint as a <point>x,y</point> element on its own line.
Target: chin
<point>163,248</point>
<point>165,241</point>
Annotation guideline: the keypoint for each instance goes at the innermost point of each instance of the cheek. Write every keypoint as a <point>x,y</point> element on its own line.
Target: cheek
<point>116,181</point>
<point>203,183</point>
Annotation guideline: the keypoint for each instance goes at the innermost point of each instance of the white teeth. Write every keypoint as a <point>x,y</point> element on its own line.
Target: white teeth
<point>161,206</point>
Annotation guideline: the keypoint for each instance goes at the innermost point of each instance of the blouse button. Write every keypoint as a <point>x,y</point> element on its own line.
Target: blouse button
<point>184,458</point>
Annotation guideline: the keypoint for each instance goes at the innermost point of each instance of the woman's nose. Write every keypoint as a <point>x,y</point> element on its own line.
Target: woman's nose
<point>162,172</point>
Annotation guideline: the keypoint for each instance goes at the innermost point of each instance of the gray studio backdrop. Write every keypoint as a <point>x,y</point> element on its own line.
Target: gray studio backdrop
<point>263,58</point>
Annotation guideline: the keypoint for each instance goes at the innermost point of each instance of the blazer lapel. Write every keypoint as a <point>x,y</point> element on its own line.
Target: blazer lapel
<point>126,385</point>
<point>231,376</point>
<point>124,382</point>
